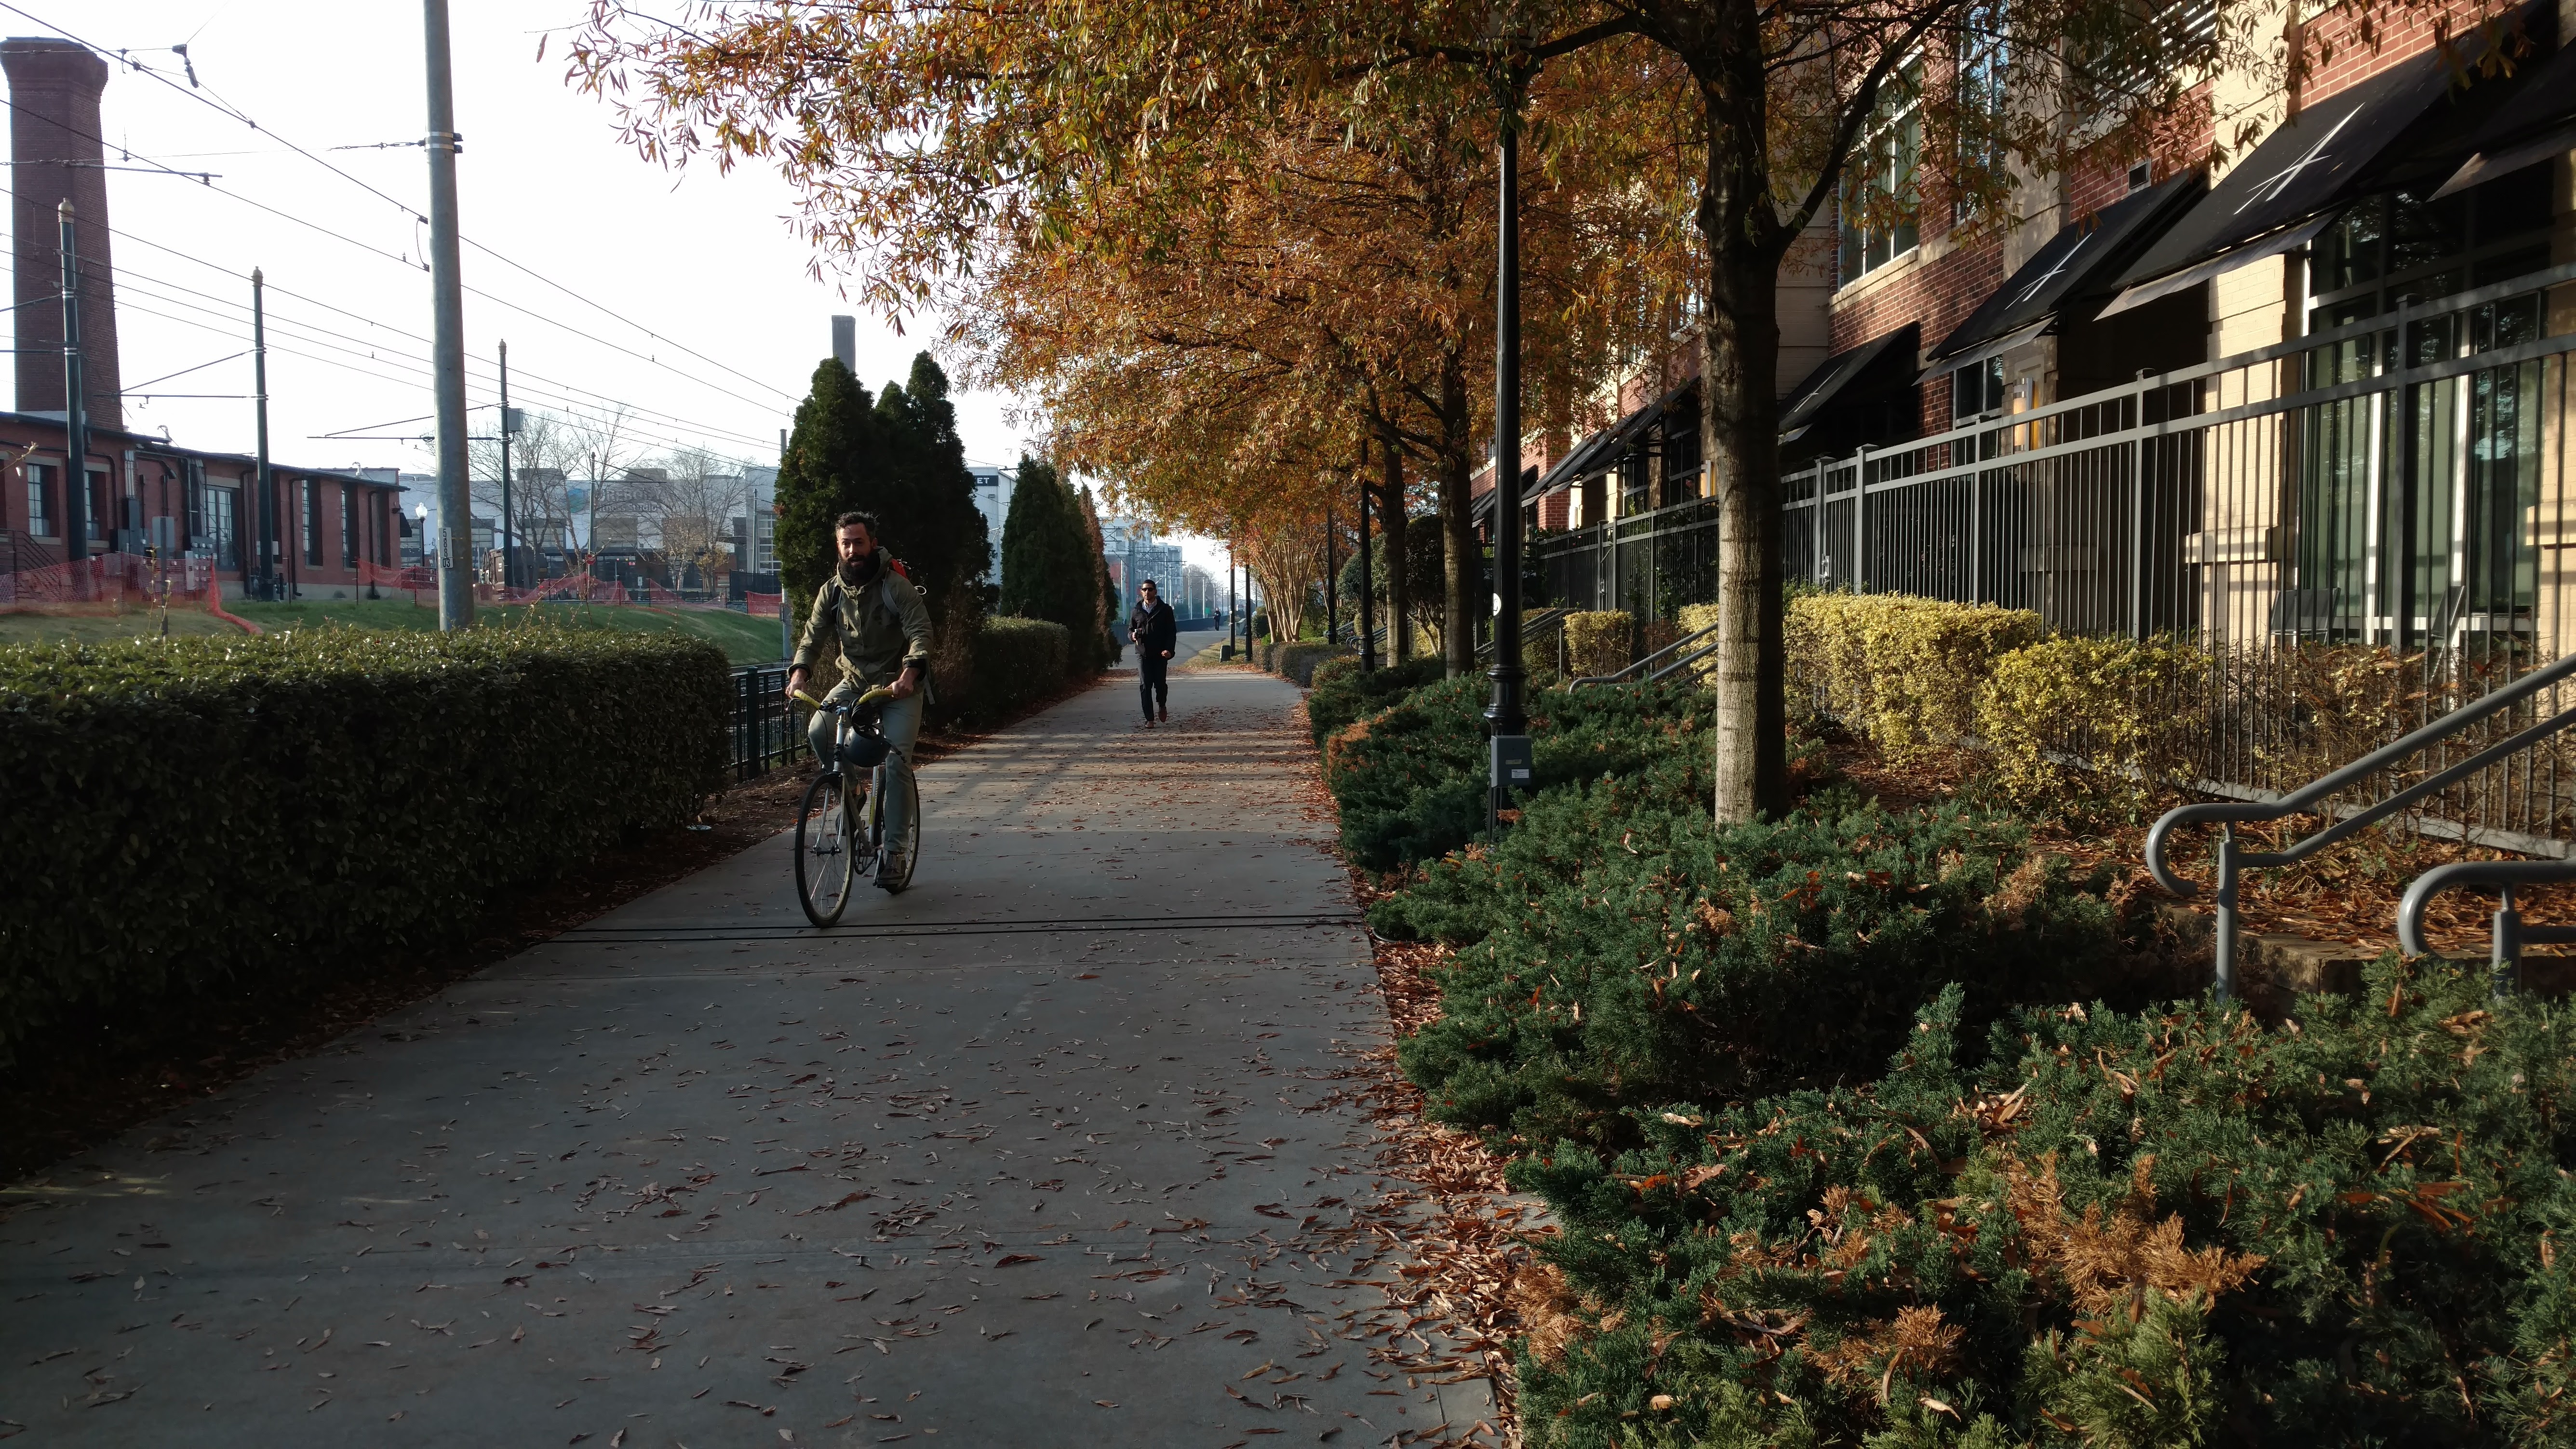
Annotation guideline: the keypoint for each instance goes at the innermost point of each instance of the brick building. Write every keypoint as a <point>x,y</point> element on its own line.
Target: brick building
<point>332,528</point>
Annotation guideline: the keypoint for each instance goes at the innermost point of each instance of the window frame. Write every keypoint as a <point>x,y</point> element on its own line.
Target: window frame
<point>1892,144</point>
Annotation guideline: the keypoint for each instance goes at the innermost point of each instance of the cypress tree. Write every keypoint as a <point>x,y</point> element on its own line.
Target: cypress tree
<point>1043,573</point>
<point>923,494</point>
<point>833,445</point>
<point>1095,547</point>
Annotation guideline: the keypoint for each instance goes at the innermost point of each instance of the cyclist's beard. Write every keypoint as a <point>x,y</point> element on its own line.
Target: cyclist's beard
<point>858,575</point>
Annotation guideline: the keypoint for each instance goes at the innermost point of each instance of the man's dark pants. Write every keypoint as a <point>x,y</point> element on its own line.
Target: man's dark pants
<point>1150,683</point>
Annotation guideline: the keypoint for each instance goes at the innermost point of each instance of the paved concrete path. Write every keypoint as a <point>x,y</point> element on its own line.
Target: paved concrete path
<point>1008,1160</point>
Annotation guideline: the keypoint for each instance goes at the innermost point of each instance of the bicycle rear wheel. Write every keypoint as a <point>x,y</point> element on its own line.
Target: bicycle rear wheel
<point>823,850</point>
<point>909,844</point>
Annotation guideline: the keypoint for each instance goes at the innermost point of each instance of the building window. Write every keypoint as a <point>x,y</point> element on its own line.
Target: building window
<point>1982,112</point>
<point>349,524</point>
<point>1977,389</point>
<point>1878,205</point>
<point>223,536</point>
<point>312,524</point>
<point>40,487</point>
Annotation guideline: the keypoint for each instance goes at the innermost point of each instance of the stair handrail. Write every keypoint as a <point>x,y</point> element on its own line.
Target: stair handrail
<point>2232,862</point>
<point>1620,676</point>
<point>2507,935</point>
<point>1537,623</point>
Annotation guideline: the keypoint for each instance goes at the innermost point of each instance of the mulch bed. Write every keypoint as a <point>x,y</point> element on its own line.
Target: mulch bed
<point>102,1074</point>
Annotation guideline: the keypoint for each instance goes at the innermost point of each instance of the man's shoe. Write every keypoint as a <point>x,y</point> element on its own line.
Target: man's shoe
<point>1167,716</point>
<point>890,866</point>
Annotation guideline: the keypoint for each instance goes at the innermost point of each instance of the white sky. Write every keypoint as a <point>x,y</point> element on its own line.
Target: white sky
<point>708,262</point>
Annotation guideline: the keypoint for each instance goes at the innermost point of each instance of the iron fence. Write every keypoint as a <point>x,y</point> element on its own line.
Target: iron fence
<point>764,733</point>
<point>2346,534</point>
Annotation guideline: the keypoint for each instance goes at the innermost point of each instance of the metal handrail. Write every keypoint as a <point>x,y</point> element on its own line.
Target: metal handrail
<point>2231,862</point>
<point>1620,676</point>
<point>1531,627</point>
<point>2508,935</point>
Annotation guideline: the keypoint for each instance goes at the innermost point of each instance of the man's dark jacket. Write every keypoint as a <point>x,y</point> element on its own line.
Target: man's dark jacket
<point>1155,629</point>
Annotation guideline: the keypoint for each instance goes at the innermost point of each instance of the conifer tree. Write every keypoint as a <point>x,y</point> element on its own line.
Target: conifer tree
<point>1104,632</point>
<point>922,493</point>
<point>1044,575</point>
<point>834,444</point>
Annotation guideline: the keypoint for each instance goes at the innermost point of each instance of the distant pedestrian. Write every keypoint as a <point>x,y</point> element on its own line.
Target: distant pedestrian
<point>1156,634</point>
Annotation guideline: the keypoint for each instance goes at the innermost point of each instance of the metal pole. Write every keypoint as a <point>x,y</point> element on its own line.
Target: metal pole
<point>455,508</point>
<point>509,554</point>
<point>267,572</point>
<point>1368,593</point>
<point>1508,726</point>
<point>1230,610</point>
<point>1332,582</point>
<point>75,420</point>
<point>2224,944</point>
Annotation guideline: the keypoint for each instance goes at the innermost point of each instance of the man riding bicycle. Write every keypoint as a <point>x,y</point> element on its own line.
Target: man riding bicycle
<point>884,632</point>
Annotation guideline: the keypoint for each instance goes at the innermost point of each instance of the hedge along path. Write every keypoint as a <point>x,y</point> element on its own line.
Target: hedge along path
<point>1052,1148</point>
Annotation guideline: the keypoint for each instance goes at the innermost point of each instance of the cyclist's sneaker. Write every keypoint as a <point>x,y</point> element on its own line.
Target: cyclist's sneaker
<point>890,865</point>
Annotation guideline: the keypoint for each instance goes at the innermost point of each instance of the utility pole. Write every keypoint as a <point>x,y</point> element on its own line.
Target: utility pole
<point>1229,596</point>
<point>1508,725</point>
<point>267,571</point>
<point>509,555</point>
<point>447,306</point>
<point>1368,593</point>
<point>75,420</point>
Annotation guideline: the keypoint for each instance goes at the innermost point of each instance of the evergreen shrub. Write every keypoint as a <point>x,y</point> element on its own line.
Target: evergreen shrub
<point>1297,662</point>
<point>221,811</point>
<point>1620,949</point>
<point>1410,779</point>
<point>1343,694</point>
<point>2091,1227</point>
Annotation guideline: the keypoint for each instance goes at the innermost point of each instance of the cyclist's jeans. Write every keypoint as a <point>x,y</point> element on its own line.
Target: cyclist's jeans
<point>902,721</point>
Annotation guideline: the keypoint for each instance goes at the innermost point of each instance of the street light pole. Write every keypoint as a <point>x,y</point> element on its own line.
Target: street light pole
<point>509,554</point>
<point>447,307</point>
<point>1506,722</point>
<point>1368,593</point>
<point>75,419</point>
<point>259,410</point>
<point>1332,582</point>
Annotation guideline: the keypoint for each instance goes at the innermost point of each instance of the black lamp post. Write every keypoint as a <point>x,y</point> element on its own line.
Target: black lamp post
<point>1368,594</point>
<point>1505,721</point>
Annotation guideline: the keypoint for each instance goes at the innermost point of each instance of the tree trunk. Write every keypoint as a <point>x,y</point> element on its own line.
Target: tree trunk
<point>1391,522</point>
<point>1459,555</point>
<point>1739,365</point>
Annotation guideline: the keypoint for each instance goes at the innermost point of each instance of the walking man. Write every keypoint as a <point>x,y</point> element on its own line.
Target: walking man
<point>1156,634</point>
<point>883,629</point>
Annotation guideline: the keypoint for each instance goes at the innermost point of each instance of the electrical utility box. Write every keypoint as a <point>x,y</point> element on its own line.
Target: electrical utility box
<point>1511,772</point>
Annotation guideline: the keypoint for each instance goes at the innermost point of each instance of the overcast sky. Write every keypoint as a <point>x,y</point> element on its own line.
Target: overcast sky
<point>708,324</point>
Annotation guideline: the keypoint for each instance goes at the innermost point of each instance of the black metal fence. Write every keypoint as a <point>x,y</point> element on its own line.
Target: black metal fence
<point>764,732</point>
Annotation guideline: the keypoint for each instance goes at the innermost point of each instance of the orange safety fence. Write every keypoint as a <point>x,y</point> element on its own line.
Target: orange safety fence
<point>109,583</point>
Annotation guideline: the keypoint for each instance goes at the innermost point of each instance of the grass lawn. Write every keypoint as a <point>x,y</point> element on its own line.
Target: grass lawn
<point>99,628</point>
<point>744,639</point>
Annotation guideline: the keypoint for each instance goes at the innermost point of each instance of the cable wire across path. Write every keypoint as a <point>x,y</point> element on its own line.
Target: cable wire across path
<point>1046,1150</point>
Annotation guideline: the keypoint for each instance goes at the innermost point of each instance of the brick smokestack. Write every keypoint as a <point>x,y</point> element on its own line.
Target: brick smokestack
<point>55,156</point>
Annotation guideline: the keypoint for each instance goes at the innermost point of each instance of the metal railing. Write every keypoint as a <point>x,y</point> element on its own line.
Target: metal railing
<point>2507,933</point>
<point>764,733</point>
<point>1534,627</point>
<point>1653,675</point>
<point>2315,796</point>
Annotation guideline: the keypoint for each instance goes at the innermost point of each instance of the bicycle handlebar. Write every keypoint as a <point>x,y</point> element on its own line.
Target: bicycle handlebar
<point>878,695</point>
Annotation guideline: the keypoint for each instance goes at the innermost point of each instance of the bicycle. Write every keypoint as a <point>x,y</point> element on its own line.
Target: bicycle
<point>832,827</point>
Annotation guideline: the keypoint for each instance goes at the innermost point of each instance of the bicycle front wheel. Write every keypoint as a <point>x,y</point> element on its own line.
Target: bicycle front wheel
<point>823,854</point>
<point>909,843</point>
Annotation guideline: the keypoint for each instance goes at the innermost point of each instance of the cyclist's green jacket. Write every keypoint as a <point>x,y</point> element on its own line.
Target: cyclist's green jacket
<point>882,627</point>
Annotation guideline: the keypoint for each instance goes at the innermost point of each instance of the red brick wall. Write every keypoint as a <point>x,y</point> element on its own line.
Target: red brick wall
<point>1939,294</point>
<point>2340,57</point>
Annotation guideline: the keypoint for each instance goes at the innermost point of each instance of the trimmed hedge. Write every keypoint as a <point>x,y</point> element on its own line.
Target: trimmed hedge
<point>2124,709</point>
<point>210,812</point>
<point>1904,671</point>
<point>1017,661</point>
<point>1297,662</point>
<point>1601,642</point>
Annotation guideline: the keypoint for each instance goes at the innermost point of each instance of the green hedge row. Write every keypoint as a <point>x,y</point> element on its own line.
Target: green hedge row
<point>210,812</point>
<point>1297,663</point>
<point>1343,693</point>
<point>1017,661</point>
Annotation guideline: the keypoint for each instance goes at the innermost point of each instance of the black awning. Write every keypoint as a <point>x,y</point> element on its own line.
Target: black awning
<point>2332,153</point>
<point>1873,366</point>
<point>2537,123</point>
<point>1597,452</point>
<point>2075,267</point>
<point>1483,507</point>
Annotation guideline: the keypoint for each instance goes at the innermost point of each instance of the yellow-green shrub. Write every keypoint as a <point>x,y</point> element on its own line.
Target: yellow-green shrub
<point>2085,716</point>
<point>1600,643</point>
<point>1903,670</point>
